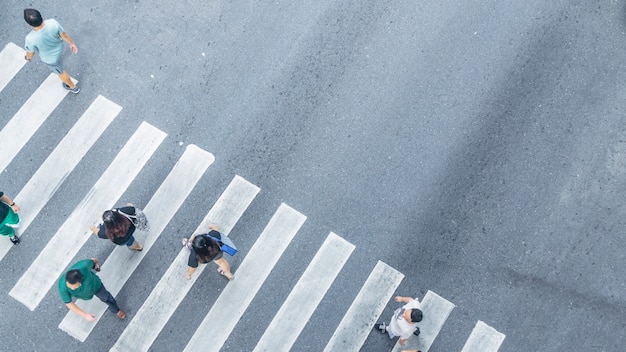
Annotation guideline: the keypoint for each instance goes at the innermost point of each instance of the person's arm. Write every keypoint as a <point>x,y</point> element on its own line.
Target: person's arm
<point>96,264</point>
<point>76,309</point>
<point>69,40</point>
<point>403,299</point>
<point>10,203</point>
<point>29,55</point>
<point>402,342</point>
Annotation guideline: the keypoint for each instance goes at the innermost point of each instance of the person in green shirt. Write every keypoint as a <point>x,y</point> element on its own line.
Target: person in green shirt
<point>83,283</point>
<point>9,220</point>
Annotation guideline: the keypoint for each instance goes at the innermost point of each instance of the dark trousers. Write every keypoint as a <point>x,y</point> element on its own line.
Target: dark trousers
<point>106,297</point>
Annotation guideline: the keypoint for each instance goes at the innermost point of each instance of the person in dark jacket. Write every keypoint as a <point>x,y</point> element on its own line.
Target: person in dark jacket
<point>118,228</point>
<point>203,249</point>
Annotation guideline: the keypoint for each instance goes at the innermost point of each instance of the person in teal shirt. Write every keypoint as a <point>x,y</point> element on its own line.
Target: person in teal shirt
<point>47,39</point>
<point>80,281</point>
<point>9,220</point>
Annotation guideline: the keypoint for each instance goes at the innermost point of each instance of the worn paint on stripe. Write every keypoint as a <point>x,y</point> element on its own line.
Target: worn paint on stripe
<point>306,295</point>
<point>483,338</point>
<point>11,61</point>
<point>436,310</point>
<point>29,118</point>
<point>369,303</point>
<point>256,266</point>
<point>120,265</point>
<point>173,287</point>
<point>63,159</point>
<point>63,246</point>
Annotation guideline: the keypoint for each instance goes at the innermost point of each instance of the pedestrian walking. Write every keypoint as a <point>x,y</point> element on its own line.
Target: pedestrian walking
<point>81,282</point>
<point>204,248</point>
<point>46,38</point>
<point>404,320</point>
<point>9,220</point>
<point>119,224</point>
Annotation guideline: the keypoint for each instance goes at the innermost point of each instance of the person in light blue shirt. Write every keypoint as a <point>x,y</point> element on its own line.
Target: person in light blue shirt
<point>47,39</point>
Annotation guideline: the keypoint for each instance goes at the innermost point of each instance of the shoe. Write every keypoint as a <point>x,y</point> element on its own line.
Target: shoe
<point>186,243</point>
<point>121,314</point>
<point>382,327</point>
<point>75,90</point>
<point>416,332</point>
<point>15,240</point>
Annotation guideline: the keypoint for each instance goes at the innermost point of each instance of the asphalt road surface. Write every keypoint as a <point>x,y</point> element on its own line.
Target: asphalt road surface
<point>477,147</point>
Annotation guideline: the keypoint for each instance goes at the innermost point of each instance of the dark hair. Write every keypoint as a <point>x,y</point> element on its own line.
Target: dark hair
<point>416,315</point>
<point>74,276</point>
<point>205,248</point>
<point>32,17</point>
<point>115,224</point>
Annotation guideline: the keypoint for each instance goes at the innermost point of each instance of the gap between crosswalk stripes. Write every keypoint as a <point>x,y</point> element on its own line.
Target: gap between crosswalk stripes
<point>365,310</point>
<point>173,287</point>
<point>11,60</point>
<point>63,159</point>
<point>119,266</point>
<point>67,241</point>
<point>483,338</point>
<point>436,310</point>
<point>304,298</point>
<point>29,118</point>
<point>254,269</point>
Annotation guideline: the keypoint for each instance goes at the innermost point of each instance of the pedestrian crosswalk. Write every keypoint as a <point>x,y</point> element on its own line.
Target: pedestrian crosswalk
<point>148,321</point>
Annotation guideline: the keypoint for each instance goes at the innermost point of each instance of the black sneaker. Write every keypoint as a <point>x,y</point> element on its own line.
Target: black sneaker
<point>75,90</point>
<point>416,332</point>
<point>15,240</point>
<point>382,327</point>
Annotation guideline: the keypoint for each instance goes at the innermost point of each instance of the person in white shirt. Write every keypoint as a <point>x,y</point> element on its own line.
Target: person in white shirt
<point>404,320</point>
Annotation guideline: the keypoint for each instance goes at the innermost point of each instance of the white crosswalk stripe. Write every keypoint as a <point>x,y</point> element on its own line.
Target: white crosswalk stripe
<point>29,118</point>
<point>483,338</point>
<point>226,311</point>
<point>306,295</point>
<point>173,287</point>
<point>365,310</point>
<point>11,60</point>
<point>160,210</point>
<point>436,310</point>
<point>51,174</point>
<point>236,297</point>
<point>48,266</point>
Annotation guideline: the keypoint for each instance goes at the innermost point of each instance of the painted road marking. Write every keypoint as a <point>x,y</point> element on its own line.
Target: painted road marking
<point>63,159</point>
<point>54,258</point>
<point>173,287</point>
<point>120,265</point>
<point>11,60</point>
<point>29,118</point>
<point>306,295</point>
<point>436,310</point>
<point>483,338</point>
<point>367,307</point>
<point>256,266</point>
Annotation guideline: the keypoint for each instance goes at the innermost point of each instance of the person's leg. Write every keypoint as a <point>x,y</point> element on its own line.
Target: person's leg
<point>65,77</point>
<point>106,297</point>
<point>224,268</point>
<point>8,225</point>
<point>134,244</point>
